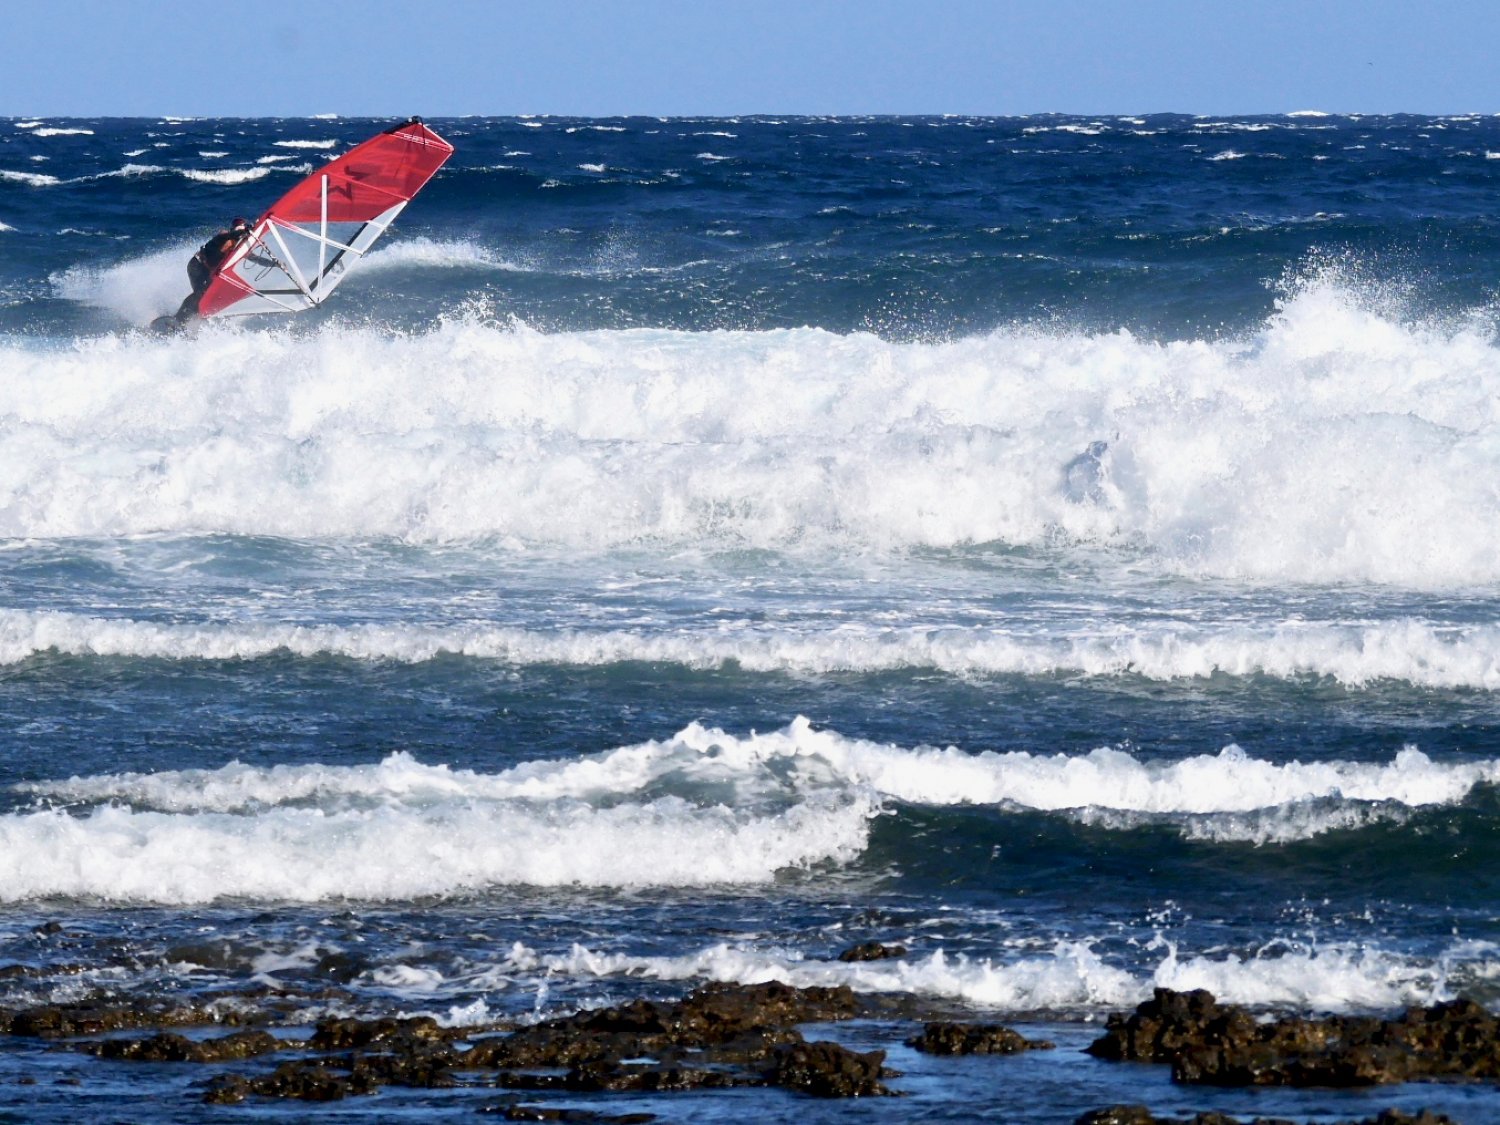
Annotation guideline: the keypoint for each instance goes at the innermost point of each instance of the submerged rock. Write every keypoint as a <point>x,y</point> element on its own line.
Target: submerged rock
<point>1224,1045</point>
<point>1140,1115</point>
<point>974,1039</point>
<point>517,1112</point>
<point>872,951</point>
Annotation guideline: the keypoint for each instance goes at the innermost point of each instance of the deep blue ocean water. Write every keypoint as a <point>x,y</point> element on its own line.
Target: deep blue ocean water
<point>1068,547</point>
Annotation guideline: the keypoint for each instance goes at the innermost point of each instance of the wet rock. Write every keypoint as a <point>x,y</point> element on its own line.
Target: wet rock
<point>71,1020</point>
<point>732,1023</point>
<point>974,1039</point>
<point>347,1034</point>
<point>228,1089</point>
<point>304,1081</point>
<point>168,1047</point>
<point>222,955</point>
<point>1140,1115</point>
<point>340,967</point>
<point>828,1070</point>
<point>517,1112</point>
<point>428,1068</point>
<point>872,951</point>
<point>1209,1043</point>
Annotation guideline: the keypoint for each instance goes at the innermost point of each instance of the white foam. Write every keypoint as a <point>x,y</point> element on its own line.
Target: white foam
<point>397,831</point>
<point>60,132</point>
<point>1337,445</point>
<point>137,290</point>
<point>439,253</point>
<point>6,227</point>
<point>34,179</point>
<point>1409,651</point>
<point>1072,978</point>
<point>305,144</point>
<point>225,175</point>
<point>1228,154</point>
<point>1209,796</point>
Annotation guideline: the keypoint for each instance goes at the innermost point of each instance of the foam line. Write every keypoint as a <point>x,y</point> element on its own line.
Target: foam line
<point>1407,651</point>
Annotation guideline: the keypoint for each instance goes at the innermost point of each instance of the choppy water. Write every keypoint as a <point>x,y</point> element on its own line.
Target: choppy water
<point>1069,547</point>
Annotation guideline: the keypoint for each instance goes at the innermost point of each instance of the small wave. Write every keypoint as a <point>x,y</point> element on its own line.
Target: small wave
<point>305,144</point>
<point>225,175</point>
<point>59,132</point>
<point>1228,154</point>
<point>1073,977</point>
<point>400,830</point>
<point>1208,794</point>
<point>1412,652</point>
<point>34,179</point>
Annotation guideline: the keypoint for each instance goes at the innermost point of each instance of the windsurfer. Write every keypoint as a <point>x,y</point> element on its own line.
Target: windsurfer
<point>205,263</point>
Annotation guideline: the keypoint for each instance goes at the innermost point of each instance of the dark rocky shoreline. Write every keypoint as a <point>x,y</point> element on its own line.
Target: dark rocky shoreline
<point>722,1036</point>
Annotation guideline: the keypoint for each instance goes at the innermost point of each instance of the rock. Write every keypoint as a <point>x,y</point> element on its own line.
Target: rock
<point>732,1023</point>
<point>872,951</point>
<point>308,1081</point>
<point>516,1112</point>
<point>68,1021</point>
<point>228,1089</point>
<point>1117,1115</point>
<point>345,1034</point>
<point>168,1047</point>
<point>828,1070</point>
<point>340,967</point>
<point>1140,1115</point>
<point>1223,1045</point>
<point>973,1039</point>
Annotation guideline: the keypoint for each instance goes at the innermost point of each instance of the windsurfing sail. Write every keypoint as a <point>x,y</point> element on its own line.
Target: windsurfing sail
<point>301,248</point>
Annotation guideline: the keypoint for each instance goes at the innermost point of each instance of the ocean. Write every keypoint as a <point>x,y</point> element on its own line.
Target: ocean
<point>1066,547</point>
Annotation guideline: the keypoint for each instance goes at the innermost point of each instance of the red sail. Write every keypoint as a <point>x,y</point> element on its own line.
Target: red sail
<point>303,244</point>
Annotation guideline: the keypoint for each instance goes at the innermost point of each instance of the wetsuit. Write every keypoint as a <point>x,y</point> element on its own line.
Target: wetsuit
<point>202,266</point>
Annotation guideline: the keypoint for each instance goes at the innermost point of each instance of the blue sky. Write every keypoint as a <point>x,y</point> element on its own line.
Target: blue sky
<point>588,57</point>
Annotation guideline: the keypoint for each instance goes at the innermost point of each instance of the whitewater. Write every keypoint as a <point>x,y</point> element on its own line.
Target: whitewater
<point>1067,548</point>
<point>1330,446</point>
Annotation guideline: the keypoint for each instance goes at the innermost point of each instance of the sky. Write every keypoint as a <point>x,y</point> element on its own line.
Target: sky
<point>388,58</point>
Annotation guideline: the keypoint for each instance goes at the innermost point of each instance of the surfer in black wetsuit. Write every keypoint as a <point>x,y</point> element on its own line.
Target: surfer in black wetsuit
<point>205,263</point>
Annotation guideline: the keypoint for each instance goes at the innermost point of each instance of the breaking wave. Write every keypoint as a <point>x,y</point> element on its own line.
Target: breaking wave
<point>1336,446</point>
<point>1073,977</point>
<point>701,808</point>
<point>1409,651</point>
